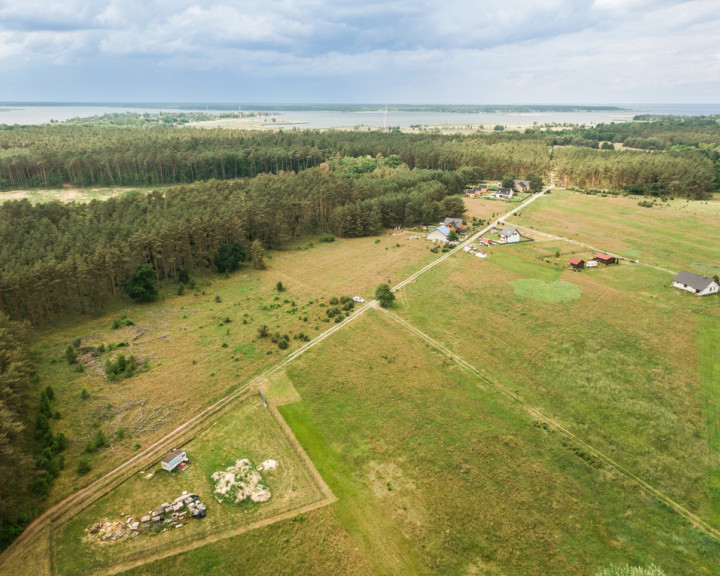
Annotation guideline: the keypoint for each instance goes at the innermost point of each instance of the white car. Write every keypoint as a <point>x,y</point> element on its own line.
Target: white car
<point>358,299</point>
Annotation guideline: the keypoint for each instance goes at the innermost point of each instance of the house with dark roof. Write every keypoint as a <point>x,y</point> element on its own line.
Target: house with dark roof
<point>604,259</point>
<point>508,235</point>
<point>521,186</point>
<point>454,223</point>
<point>439,234</point>
<point>576,263</point>
<point>695,283</point>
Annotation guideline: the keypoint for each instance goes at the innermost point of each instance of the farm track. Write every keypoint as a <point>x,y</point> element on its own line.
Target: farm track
<point>556,426</point>
<point>103,485</point>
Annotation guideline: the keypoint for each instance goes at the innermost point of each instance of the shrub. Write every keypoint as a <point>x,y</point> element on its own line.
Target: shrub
<point>327,238</point>
<point>333,301</point>
<point>83,466</point>
<point>70,355</point>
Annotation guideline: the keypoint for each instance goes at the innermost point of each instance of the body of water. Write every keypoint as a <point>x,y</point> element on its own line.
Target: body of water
<point>42,114</point>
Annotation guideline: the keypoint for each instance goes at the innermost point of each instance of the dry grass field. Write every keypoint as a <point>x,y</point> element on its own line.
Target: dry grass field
<point>202,344</point>
<point>678,234</point>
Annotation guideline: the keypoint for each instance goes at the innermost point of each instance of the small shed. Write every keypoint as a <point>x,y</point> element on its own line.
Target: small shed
<point>576,263</point>
<point>604,259</point>
<point>172,460</point>
<point>695,283</point>
<point>485,241</point>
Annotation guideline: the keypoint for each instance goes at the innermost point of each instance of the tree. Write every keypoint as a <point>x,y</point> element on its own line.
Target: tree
<point>453,236</point>
<point>536,183</point>
<point>142,287</point>
<point>258,255</point>
<point>384,295</point>
<point>229,256</point>
<point>508,181</point>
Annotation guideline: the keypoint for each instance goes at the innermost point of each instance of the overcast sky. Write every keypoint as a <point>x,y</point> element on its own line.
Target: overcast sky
<point>350,51</point>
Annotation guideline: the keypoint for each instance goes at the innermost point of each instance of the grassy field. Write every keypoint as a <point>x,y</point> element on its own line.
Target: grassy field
<point>202,344</point>
<point>618,365</point>
<point>678,234</point>
<point>247,431</point>
<point>436,474</point>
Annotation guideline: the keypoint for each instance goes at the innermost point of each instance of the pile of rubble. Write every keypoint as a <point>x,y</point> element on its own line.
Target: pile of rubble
<point>167,515</point>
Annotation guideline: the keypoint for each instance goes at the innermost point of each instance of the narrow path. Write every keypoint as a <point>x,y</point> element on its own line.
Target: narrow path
<point>592,248</point>
<point>555,425</point>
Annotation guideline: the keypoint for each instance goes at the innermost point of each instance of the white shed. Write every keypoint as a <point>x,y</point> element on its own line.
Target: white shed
<point>172,460</point>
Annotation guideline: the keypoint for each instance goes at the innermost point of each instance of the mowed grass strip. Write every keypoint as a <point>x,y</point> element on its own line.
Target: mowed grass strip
<point>437,474</point>
<point>618,369</point>
<point>248,431</point>
<point>678,234</point>
<point>709,339</point>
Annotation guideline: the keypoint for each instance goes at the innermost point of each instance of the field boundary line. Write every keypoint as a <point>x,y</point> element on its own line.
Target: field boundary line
<point>697,521</point>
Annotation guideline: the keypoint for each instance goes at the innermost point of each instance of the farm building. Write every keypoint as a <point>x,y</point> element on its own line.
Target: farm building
<point>172,460</point>
<point>576,263</point>
<point>439,234</point>
<point>504,193</point>
<point>508,235</point>
<point>485,241</point>
<point>454,223</point>
<point>604,259</point>
<point>522,186</point>
<point>695,283</point>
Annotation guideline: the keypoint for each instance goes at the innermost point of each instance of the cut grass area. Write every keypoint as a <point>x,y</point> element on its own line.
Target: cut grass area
<point>247,431</point>
<point>679,235</point>
<point>617,368</point>
<point>546,291</point>
<point>436,474</point>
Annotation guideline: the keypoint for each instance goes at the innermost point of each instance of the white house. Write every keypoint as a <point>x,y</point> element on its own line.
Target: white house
<point>172,460</point>
<point>508,235</point>
<point>439,234</point>
<point>695,283</point>
<point>504,193</point>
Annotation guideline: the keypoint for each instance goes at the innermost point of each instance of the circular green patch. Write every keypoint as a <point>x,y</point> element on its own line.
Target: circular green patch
<point>546,291</point>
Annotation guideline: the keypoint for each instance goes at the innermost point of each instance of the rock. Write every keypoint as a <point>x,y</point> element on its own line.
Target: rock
<point>145,519</point>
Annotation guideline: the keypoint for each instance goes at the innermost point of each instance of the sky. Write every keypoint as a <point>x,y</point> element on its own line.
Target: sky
<point>353,51</point>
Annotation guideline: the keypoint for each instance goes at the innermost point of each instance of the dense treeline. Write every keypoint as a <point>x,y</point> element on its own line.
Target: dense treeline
<point>66,259</point>
<point>50,156</point>
<point>17,464</point>
<point>689,174</point>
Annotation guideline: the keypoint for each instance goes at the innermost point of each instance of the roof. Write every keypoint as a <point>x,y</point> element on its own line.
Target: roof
<point>486,241</point>
<point>504,191</point>
<point>173,454</point>
<point>525,183</point>
<point>507,231</point>
<point>455,222</point>
<point>599,256</point>
<point>444,230</point>
<point>575,261</point>
<point>695,281</point>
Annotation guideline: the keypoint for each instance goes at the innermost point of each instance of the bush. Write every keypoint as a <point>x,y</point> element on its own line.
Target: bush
<point>327,238</point>
<point>262,331</point>
<point>83,466</point>
<point>70,355</point>
<point>333,301</point>
<point>279,286</point>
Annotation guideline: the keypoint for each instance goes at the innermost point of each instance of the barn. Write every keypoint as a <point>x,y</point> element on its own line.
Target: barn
<point>604,259</point>
<point>576,263</point>
<point>172,460</point>
<point>695,283</point>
